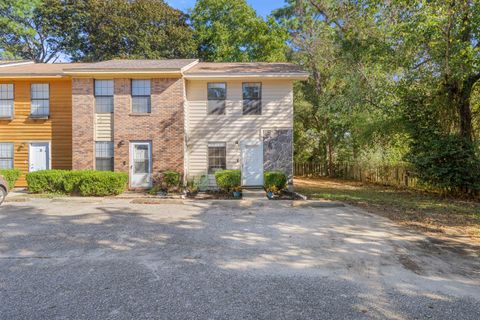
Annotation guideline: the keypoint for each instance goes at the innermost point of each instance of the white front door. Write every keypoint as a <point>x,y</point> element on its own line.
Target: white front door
<point>39,156</point>
<point>140,164</point>
<point>252,163</point>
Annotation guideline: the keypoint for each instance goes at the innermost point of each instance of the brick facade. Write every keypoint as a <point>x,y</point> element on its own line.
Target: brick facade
<point>164,126</point>
<point>83,107</point>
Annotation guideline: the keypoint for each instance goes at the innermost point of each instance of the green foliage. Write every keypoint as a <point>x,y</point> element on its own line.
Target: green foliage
<point>93,30</point>
<point>86,183</point>
<point>102,183</point>
<point>231,31</point>
<point>370,79</point>
<point>274,180</point>
<point>11,175</point>
<point>192,186</point>
<point>167,181</point>
<point>46,181</point>
<point>142,29</point>
<point>446,162</point>
<point>28,31</point>
<point>228,180</point>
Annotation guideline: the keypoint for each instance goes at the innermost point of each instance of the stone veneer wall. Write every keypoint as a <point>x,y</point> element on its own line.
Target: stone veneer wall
<point>83,108</point>
<point>278,151</point>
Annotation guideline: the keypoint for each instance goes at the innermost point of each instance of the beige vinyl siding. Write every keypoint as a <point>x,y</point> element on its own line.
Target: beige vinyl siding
<point>103,126</point>
<point>233,127</point>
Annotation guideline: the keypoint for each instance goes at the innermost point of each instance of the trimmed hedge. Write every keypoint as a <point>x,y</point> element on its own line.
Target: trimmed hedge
<point>275,179</point>
<point>228,180</point>
<point>46,181</point>
<point>11,175</point>
<point>83,182</point>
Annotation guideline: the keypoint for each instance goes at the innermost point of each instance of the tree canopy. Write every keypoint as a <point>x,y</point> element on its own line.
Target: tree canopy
<point>230,30</point>
<point>26,32</point>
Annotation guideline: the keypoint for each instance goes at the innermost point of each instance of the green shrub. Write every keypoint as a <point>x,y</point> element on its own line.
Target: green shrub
<point>102,183</point>
<point>50,181</point>
<point>167,181</point>
<point>446,162</point>
<point>228,180</point>
<point>274,179</point>
<point>83,182</point>
<point>73,179</point>
<point>11,175</point>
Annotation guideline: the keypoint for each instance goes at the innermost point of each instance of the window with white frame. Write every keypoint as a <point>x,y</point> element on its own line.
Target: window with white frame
<point>104,155</point>
<point>40,100</point>
<point>6,155</point>
<point>6,100</point>
<point>217,95</point>
<point>217,156</point>
<point>252,98</point>
<point>103,96</point>
<point>141,96</point>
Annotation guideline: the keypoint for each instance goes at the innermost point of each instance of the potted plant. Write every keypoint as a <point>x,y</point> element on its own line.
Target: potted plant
<point>192,188</point>
<point>237,192</point>
<point>271,192</point>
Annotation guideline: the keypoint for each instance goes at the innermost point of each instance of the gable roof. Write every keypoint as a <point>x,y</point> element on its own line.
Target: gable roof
<point>34,70</point>
<point>4,63</point>
<point>122,65</point>
<point>243,69</point>
<point>189,68</point>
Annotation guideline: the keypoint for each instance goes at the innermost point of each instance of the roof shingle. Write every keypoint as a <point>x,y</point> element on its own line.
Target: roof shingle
<point>171,64</point>
<point>246,67</point>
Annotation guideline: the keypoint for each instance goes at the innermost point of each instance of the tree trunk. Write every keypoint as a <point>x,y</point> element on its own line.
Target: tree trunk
<point>465,114</point>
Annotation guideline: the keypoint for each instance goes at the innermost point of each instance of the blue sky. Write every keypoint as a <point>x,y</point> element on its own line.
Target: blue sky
<point>263,7</point>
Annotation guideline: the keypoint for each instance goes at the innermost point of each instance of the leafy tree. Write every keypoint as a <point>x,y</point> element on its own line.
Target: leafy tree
<point>26,31</point>
<point>100,30</point>
<point>230,30</point>
<point>346,96</point>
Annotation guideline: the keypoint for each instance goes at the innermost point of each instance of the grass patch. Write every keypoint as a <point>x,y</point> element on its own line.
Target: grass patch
<point>427,211</point>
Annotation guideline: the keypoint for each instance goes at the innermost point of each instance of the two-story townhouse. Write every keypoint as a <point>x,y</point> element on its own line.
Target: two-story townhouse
<point>240,116</point>
<point>143,116</point>
<point>35,117</point>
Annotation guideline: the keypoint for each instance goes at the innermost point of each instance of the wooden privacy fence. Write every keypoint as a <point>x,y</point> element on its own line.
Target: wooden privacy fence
<point>399,175</point>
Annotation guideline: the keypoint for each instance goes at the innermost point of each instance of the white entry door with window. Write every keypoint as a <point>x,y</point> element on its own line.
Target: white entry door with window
<point>39,156</point>
<point>141,164</point>
<point>252,163</point>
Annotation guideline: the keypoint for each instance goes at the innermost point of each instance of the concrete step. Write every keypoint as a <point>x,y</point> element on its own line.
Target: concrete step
<point>254,194</point>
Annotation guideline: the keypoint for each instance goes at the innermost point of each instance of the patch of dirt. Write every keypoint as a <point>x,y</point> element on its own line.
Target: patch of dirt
<point>409,264</point>
<point>436,221</point>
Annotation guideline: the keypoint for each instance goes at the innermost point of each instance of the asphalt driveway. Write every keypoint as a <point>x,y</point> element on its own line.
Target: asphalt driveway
<point>111,259</point>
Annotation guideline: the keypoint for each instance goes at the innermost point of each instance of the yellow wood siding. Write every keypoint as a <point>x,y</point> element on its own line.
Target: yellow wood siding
<point>57,129</point>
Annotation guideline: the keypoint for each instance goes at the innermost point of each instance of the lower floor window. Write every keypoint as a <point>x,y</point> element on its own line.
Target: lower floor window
<point>6,155</point>
<point>104,155</point>
<point>217,157</point>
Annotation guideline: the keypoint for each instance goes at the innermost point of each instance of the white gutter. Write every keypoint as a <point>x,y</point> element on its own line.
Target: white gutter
<point>207,76</point>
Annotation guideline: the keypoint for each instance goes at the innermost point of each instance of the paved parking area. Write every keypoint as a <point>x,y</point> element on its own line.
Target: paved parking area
<point>110,259</point>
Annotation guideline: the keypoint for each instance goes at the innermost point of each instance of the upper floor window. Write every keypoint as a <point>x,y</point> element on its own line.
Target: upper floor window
<point>252,98</point>
<point>217,94</point>
<point>40,100</point>
<point>6,155</point>
<point>103,96</point>
<point>104,155</point>
<point>141,102</point>
<point>217,156</point>
<point>6,100</point>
